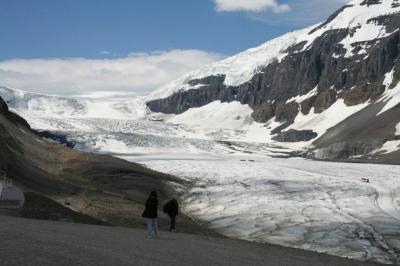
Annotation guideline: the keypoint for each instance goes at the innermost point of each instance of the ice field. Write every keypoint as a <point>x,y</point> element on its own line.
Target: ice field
<point>245,190</point>
<point>237,180</point>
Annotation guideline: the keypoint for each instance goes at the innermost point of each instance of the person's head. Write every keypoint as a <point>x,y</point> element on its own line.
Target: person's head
<point>153,194</point>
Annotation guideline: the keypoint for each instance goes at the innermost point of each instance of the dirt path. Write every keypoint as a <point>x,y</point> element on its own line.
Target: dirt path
<point>33,242</point>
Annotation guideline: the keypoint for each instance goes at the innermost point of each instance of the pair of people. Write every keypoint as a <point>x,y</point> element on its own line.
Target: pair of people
<point>151,213</point>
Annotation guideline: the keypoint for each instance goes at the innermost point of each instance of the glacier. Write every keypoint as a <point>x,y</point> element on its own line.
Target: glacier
<point>237,181</point>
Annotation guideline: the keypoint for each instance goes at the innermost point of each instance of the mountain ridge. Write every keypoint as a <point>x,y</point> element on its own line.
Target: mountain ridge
<point>353,57</point>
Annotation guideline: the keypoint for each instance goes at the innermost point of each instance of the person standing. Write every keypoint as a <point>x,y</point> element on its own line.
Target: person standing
<point>171,208</point>
<point>150,213</point>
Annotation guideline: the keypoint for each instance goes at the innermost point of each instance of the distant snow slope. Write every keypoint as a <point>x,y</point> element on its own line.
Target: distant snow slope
<point>240,68</point>
<point>113,105</point>
<point>232,115</point>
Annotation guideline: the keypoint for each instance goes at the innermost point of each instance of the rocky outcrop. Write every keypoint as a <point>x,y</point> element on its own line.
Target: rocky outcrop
<point>264,112</point>
<point>295,136</point>
<point>371,2</point>
<point>307,104</point>
<point>55,137</point>
<point>286,111</point>
<point>180,102</point>
<point>324,100</point>
<point>210,80</point>
<point>344,150</point>
<point>362,93</point>
<point>16,119</point>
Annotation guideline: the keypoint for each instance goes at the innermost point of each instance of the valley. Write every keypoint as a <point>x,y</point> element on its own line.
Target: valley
<point>255,191</point>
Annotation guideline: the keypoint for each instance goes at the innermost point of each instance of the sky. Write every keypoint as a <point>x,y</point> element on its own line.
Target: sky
<point>68,46</point>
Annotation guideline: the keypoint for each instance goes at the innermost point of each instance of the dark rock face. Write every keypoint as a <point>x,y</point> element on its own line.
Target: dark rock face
<point>362,93</point>
<point>264,112</point>
<point>371,2</point>
<point>343,150</point>
<point>307,104</point>
<point>211,80</point>
<point>324,100</point>
<point>295,136</point>
<point>17,120</point>
<point>181,102</point>
<point>58,138</point>
<point>287,111</point>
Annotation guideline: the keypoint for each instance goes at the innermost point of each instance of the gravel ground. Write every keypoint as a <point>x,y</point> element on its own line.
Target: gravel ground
<point>34,242</point>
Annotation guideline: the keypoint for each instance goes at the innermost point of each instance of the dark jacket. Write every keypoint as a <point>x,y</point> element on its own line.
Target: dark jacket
<point>151,208</point>
<point>171,207</point>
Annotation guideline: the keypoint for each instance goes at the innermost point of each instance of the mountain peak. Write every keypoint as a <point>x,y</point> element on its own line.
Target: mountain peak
<point>360,22</point>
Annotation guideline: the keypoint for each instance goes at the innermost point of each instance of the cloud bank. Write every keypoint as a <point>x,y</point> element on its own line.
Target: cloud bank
<point>250,6</point>
<point>138,72</point>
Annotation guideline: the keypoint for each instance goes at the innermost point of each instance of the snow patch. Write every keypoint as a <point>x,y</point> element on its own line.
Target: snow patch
<point>232,119</point>
<point>233,115</point>
<point>320,123</point>
<point>301,98</point>
<point>388,79</point>
<point>388,147</point>
<point>391,97</point>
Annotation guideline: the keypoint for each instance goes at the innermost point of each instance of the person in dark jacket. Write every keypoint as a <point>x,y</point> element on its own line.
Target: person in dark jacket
<point>171,208</point>
<point>150,213</point>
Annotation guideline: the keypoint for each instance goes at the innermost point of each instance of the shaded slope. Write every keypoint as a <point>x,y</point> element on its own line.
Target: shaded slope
<point>107,188</point>
<point>362,133</point>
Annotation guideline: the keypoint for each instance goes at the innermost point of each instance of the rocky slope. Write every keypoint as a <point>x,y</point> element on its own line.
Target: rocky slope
<point>334,85</point>
<point>109,189</point>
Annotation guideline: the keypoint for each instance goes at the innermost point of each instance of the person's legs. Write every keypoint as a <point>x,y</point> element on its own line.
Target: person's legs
<point>155,227</point>
<point>173,222</point>
<point>149,227</point>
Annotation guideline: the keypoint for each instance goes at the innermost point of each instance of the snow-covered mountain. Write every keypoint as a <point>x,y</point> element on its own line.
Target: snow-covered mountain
<point>333,86</point>
<point>330,91</point>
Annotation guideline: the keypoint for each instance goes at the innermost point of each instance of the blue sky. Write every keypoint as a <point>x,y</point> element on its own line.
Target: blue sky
<point>106,29</point>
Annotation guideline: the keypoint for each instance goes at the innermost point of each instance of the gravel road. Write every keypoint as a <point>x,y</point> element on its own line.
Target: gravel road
<point>35,242</point>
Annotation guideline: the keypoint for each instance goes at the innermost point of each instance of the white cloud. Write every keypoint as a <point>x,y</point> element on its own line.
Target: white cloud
<point>250,6</point>
<point>139,72</point>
